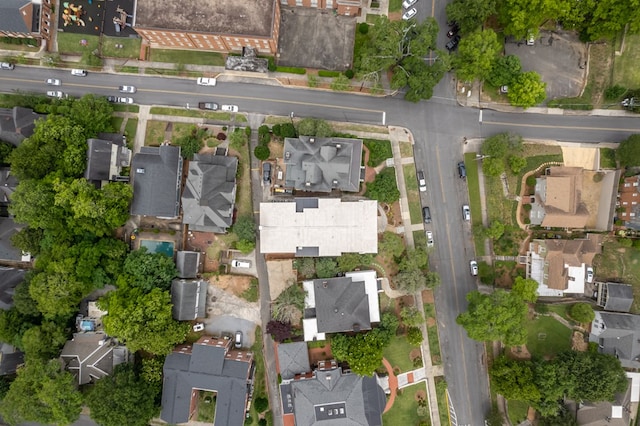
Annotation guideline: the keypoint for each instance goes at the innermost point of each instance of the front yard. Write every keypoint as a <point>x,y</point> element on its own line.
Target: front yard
<point>399,353</point>
<point>405,407</point>
<point>547,337</point>
<point>619,263</point>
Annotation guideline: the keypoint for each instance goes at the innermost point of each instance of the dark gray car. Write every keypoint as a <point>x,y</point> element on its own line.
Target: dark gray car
<point>426,214</point>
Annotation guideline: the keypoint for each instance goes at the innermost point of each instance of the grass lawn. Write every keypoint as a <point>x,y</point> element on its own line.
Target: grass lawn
<point>243,191</point>
<point>195,57</point>
<point>196,113</point>
<point>625,68</point>
<point>473,186</point>
<point>404,410</point>
<point>547,337</point>
<point>70,43</point>
<point>116,122</point>
<point>130,47</point>
<point>536,155</point>
<point>443,406</point>
<point>155,132</point>
<point>560,309</point>
<point>182,129</point>
<point>397,353</point>
<point>206,406</point>
<point>517,411</point>
<point>622,263</point>
<point>251,294</point>
<point>419,239</point>
<point>607,158</point>
<point>127,69</point>
<point>395,5</point>
<point>432,332</point>
<point>126,108</point>
<point>260,377</point>
<point>131,128</point>
<point>413,195</point>
<point>379,151</point>
<point>406,150</point>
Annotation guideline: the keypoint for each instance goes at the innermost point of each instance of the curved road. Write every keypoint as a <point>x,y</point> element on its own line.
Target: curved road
<point>438,127</point>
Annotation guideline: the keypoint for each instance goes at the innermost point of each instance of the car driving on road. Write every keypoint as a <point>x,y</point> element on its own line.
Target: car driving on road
<point>52,82</point>
<point>127,89</point>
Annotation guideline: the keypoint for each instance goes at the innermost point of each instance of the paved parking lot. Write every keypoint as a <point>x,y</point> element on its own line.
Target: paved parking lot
<point>315,38</point>
<point>558,56</point>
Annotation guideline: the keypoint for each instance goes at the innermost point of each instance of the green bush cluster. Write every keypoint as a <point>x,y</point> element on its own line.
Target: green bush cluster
<point>327,73</point>
<point>292,70</point>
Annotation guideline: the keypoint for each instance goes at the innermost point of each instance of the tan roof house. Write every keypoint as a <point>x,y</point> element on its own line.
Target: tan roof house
<point>559,266</point>
<point>558,201</point>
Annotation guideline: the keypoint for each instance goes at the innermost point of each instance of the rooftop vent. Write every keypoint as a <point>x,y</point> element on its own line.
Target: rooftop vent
<point>287,155</point>
<point>325,284</point>
<point>307,184</point>
<point>338,145</point>
<point>312,140</point>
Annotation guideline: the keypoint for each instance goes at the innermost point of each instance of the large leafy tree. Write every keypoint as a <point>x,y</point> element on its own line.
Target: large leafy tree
<point>400,46</point>
<point>504,70</point>
<point>42,392</point>
<point>143,321</point>
<point>527,90</point>
<point>596,19</point>
<point>582,312</point>
<point>92,113</point>
<point>526,288</point>
<point>476,55</point>
<point>44,341</point>
<point>384,188</point>
<point>470,14</point>
<point>628,152</point>
<point>514,379</point>
<point>518,17</point>
<point>591,376</point>
<point>148,270</point>
<point>497,316</point>
<point>122,398</point>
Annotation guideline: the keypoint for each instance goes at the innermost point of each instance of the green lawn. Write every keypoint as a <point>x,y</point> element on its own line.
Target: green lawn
<point>130,47</point>
<point>625,67</point>
<point>413,195</point>
<point>419,239</point>
<point>71,43</point>
<point>155,132</point>
<point>259,382</point>
<point>187,57</point>
<point>623,263</point>
<point>432,332</point>
<point>206,406</point>
<point>560,309</point>
<point>251,294</point>
<point>379,151</point>
<point>443,405</point>
<point>397,353</point>
<point>116,123</point>
<point>196,113</point>
<point>126,108</point>
<point>395,5</point>
<point>607,158</point>
<point>547,337</point>
<point>404,410</point>
<point>517,411</point>
<point>131,128</point>
<point>473,186</point>
<point>406,150</point>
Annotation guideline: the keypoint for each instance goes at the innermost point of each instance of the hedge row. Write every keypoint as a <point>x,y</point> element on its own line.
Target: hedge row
<point>327,73</point>
<point>292,70</point>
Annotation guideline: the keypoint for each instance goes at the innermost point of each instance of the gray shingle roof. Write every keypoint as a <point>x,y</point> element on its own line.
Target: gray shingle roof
<point>10,17</point>
<point>618,335</point>
<point>9,279</point>
<point>156,173</point>
<point>293,358</point>
<point>616,297</point>
<point>189,299</point>
<point>341,305</point>
<point>205,368</point>
<point>210,192</point>
<point>358,400</point>
<point>7,229</point>
<point>322,164</point>
<point>10,359</point>
<point>17,123</point>
<point>105,159</point>
<point>187,263</point>
<point>89,359</point>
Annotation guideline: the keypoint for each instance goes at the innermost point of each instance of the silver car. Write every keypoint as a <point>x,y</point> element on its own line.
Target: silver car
<point>127,89</point>
<point>409,14</point>
<point>56,94</point>
<point>430,242</point>
<point>52,82</point>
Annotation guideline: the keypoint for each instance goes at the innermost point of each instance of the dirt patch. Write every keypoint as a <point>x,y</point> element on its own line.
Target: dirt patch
<point>427,296</point>
<point>520,352</point>
<point>281,275</point>
<point>234,284</point>
<point>578,343</point>
<point>431,321</point>
<point>403,301</point>
<point>320,354</point>
<point>415,354</point>
<point>420,395</point>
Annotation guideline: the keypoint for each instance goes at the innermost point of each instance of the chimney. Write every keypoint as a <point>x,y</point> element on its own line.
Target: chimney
<point>312,140</point>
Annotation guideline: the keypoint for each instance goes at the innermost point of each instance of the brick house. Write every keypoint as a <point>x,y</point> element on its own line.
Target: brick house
<point>342,7</point>
<point>627,203</point>
<point>26,19</point>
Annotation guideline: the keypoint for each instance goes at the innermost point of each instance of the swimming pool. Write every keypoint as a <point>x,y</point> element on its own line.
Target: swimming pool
<point>154,246</point>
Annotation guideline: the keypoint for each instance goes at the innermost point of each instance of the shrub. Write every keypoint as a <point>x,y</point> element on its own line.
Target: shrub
<point>221,136</point>
<point>272,64</point>
<point>541,308</point>
<point>264,135</point>
<point>245,246</point>
<point>414,336</point>
<point>312,80</point>
<point>340,83</point>
<point>261,404</point>
<point>349,74</point>
<point>527,221</point>
<point>276,130</point>
<point>582,312</point>
<point>527,207</point>
<point>531,180</point>
<point>327,73</point>
<point>613,93</point>
<point>626,242</point>
<point>287,130</point>
<point>262,152</point>
<point>363,28</point>
<point>292,70</point>
<point>247,131</point>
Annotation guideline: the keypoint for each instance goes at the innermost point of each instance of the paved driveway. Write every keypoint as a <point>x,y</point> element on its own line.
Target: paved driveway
<point>558,56</point>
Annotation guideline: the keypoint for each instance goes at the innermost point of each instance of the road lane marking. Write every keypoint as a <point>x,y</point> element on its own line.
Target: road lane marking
<point>545,126</point>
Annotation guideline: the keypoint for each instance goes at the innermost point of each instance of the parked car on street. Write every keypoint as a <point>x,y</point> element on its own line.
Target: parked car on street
<point>206,81</point>
<point>422,182</point>
<point>462,170</point>
<point>430,242</point>
<point>426,214</point>
<point>7,66</point>
<point>56,94</point>
<point>122,100</point>
<point>127,89</point>
<point>453,29</point>
<point>473,266</point>
<point>208,105</point>
<point>466,213</point>
<point>229,108</point>
<point>406,4</point>
<point>79,72</point>
<point>52,82</point>
<point>409,14</point>
<point>453,43</point>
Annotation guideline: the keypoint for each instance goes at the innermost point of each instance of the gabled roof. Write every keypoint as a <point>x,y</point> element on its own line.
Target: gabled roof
<point>105,159</point>
<point>187,263</point>
<point>156,173</point>
<point>189,299</point>
<point>319,227</point>
<point>293,358</point>
<point>207,365</point>
<point>11,18</point>
<point>10,359</point>
<point>334,398</point>
<point>8,184</point>
<point>618,335</point>
<point>560,193</point>
<point>210,193</point>
<point>17,123</point>
<point>8,228</point>
<point>9,279</point>
<point>606,413</point>
<point>322,164</point>
<point>91,356</point>
<point>615,297</point>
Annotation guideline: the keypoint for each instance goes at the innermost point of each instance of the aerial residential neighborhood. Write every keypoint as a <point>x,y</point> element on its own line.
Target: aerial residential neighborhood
<point>319,212</point>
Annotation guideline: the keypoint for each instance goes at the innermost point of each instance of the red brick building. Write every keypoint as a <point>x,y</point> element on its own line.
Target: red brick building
<point>210,25</point>
<point>629,202</point>
<point>342,7</point>
<point>26,19</point>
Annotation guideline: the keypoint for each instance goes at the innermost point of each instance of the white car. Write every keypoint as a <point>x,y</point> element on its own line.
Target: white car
<point>422,183</point>
<point>589,274</point>
<point>408,3</point>
<point>55,94</point>
<point>466,213</point>
<point>125,100</point>
<point>127,89</point>
<point>473,266</point>
<point>52,82</point>
<point>429,239</point>
<point>409,14</point>
<point>229,108</point>
<point>240,263</point>
<point>79,73</point>
<point>198,327</point>
<point>205,81</point>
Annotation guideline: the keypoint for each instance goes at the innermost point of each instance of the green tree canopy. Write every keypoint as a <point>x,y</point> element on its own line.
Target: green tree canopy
<point>384,188</point>
<point>92,113</point>
<point>518,17</point>
<point>350,261</point>
<point>597,19</point>
<point>501,144</point>
<point>410,281</point>
<point>496,316</point>
<point>591,376</point>
<point>527,90</point>
<point>504,70</point>
<point>122,398</point>
<point>314,127</point>
<point>628,152</point>
<point>143,321</point>
<point>411,317</point>
<point>582,312</point>
<point>526,289</point>
<point>149,270</point>
<point>42,393</point>
<point>245,228</point>
<point>43,342</point>
<point>514,379</point>
<point>476,55</point>
<point>326,267</point>
<point>391,244</point>
<point>191,143</point>
<point>470,14</point>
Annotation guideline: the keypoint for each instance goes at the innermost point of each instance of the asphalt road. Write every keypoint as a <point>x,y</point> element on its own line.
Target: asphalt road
<point>438,127</point>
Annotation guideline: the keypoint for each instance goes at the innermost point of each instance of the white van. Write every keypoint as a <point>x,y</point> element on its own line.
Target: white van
<point>241,263</point>
<point>79,73</point>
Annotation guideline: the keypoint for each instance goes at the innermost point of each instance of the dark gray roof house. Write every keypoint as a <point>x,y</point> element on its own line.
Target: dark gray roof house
<point>8,228</point>
<point>209,194</point>
<point>8,185</point>
<point>188,263</point>
<point>293,359</point>
<point>333,398</point>
<point>91,356</point>
<point>105,160</point>
<point>208,365</point>
<point>615,297</point>
<point>606,413</point>
<point>10,359</point>
<point>9,280</point>
<point>156,173</point>
<point>17,123</point>
<point>189,299</point>
<point>322,164</point>
<point>618,335</point>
